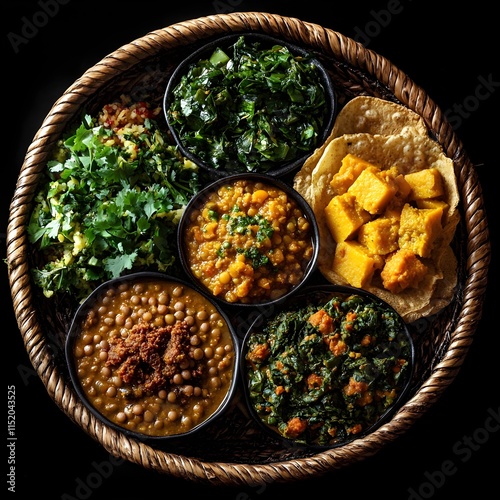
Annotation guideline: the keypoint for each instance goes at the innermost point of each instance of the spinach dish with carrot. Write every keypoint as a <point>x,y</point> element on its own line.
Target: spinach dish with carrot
<point>324,374</point>
<point>249,108</point>
<point>109,201</point>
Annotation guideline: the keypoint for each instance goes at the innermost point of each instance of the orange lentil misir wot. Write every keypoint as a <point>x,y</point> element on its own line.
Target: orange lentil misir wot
<point>248,242</point>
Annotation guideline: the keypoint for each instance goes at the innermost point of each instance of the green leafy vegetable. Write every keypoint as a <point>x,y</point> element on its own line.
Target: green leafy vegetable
<point>327,371</point>
<point>251,110</point>
<point>108,204</point>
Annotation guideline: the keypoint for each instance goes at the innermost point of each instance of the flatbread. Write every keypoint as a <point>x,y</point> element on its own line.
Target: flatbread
<point>368,115</point>
<point>371,115</point>
<point>408,147</point>
<point>408,152</point>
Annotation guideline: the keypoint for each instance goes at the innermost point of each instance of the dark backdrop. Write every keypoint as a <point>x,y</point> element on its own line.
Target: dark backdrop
<point>452,54</point>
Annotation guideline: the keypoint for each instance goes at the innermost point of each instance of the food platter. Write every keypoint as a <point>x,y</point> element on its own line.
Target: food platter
<point>236,452</point>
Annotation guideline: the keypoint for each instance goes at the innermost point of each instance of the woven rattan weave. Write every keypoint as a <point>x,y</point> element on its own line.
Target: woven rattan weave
<point>235,452</point>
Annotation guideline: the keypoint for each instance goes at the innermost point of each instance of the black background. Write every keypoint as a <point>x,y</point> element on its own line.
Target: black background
<point>451,53</point>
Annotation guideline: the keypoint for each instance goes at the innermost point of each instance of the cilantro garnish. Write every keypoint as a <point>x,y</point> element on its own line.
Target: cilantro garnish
<point>255,225</point>
<point>242,224</point>
<point>107,206</point>
<point>257,258</point>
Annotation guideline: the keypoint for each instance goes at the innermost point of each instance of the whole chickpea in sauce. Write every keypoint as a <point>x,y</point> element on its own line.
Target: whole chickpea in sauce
<point>154,356</point>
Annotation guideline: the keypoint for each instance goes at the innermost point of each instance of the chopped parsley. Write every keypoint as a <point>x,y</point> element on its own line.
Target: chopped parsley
<point>108,205</point>
<point>257,226</point>
<point>242,224</point>
<point>255,256</point>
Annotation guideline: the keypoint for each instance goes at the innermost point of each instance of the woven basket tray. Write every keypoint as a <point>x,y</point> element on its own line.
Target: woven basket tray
<point>235,452</point>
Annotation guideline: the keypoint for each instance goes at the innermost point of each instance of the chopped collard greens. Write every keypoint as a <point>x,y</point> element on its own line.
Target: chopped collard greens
<point>323,374</point>
<point>249,108</point>
<point>110,201</point>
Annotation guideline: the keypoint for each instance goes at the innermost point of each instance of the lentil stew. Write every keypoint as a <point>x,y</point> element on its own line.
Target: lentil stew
<point>152,355</point>
<point>248,239</point>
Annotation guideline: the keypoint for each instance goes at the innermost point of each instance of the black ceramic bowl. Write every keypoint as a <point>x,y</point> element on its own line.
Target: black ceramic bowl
<point>248,240</point>
<point>323,379</point>
<point>249,146</point>
<point>138,351</point>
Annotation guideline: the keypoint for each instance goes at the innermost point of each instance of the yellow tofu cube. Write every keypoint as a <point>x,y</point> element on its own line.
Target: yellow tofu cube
<point>349,171</point>
<point>402,269</point>
<point>344,216</point>
<point>439,204</point>
<point>372,191</point>
<point>426,183</point>
<point>354,263</point>
<point>418,229</point>
<point>402,186</point>
<point>394,208</point>
<point>403,189</point>
<point>380,236</point>
<point>389,173</point>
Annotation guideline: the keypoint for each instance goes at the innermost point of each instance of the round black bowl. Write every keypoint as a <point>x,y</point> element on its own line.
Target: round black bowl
<point>202,197</point>
<point>127,391</point>
<point>274,168</point>
<point>301,376</point>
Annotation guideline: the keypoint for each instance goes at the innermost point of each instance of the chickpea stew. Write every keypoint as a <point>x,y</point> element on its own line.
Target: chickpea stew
<point>152,355</point>
<point>248,239</point>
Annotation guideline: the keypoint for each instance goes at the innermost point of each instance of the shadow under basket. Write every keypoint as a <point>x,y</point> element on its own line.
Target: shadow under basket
<point>235,451</point>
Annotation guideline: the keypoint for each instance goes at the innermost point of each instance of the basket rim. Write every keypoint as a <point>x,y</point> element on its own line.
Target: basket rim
<point>334,45</point>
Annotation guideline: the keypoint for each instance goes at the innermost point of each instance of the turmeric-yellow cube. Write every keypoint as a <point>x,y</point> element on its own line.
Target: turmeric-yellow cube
<point>344,216</point>
<point>403,189</point>
<point>418,229</point>
<point>426,183</point>
<point>354,263</point>
<point>350,168</point>
<point>394,207</point>
<point>402,269</point>
<point>372,191</point>
<point>380,235</point>
<point>402,186</point>
<point>433,203</point>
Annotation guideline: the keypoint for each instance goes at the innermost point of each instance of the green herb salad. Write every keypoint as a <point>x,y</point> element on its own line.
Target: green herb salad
<point>248,107</point>
<point>326,369</point>
<point>110,201</point>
